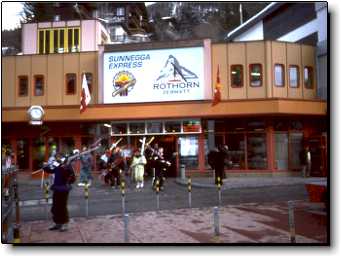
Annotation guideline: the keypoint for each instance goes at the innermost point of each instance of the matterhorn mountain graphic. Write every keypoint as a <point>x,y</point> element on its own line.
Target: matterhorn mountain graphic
<point>173,71</point>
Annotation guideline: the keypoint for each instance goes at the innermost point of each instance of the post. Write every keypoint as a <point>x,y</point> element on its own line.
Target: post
<point>182,171</point>
<point>291,222</point>
<point>126,232</point>
<point>123,197</point>
<point>157,194</point>
<point>216,220</point>
<point>219,191</point>
<point>16,231</point>
<point>189,192</point>
<point>86,196</point>
<point>46,194</point>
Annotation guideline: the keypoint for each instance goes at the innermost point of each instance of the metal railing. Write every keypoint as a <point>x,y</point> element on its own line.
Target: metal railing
<point>10,218</point>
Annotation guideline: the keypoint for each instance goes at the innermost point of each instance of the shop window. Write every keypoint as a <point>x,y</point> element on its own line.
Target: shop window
<point>38,85</point>
<point>294,76</point>
<point>236,75</point>
<point>52,145</point>
<point>154,127</point>
<point>255,75</point>
<point>281,151</point>
<point>256,125</point>
<point>67,145</point>
<point>38,153</point>
<point>279,75</point>
<point>236,153</point>
<point>23,154</point>
<point>188,147</point>
<point>119,128</point>
<point>71,83</point>
<point>23,86</point>
<point>137,128</point>
<point>296,146</point>
<point>308,77</point>
<point>191,126</point>
<point>256,151</point>
<point>172,126</point>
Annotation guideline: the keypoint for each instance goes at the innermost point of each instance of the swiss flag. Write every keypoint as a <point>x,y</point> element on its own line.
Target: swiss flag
<point>217,87</point>
<point>85,95</point>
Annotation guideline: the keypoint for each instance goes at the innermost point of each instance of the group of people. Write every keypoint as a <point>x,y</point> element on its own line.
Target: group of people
<point>115,165</point>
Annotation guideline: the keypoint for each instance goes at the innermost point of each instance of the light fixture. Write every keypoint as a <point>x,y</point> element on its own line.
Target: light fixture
<point>107,125</point>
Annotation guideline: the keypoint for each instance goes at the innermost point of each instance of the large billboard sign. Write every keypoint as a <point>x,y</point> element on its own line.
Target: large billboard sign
<point>175,74</point>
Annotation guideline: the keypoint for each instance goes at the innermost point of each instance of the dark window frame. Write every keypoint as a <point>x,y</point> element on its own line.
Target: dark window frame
<point>261,74</point>
<point>19,80</point>
<point>310,71</point>
<point>35,77</point>
<point>283,74</point>
<point>242,75</point>
<point>67,91</point>
<point>298,75</point>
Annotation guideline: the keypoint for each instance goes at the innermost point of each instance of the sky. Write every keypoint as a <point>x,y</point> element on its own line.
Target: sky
<point>10,18</point>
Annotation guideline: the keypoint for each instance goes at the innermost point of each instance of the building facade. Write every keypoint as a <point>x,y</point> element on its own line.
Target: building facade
<point>269,107</point>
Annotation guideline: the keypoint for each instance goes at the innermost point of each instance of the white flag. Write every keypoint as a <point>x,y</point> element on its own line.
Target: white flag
<point>85,95</point>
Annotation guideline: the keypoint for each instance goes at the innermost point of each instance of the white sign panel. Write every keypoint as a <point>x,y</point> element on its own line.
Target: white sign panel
<point>154,75</point>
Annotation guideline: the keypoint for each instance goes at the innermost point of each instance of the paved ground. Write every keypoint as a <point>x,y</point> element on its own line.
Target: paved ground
<point>253,210</point>
<point>244,223</point>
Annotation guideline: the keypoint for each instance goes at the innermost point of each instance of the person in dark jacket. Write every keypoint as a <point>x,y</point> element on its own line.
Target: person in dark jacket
<point>86,165</point>
<point>115,168</point>
<point>64,176</point>
<point>161,165</point>
<point>216,159</point>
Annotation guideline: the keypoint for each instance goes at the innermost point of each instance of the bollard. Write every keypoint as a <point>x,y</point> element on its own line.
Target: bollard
<point>46,195</point>
<point>291,222</point>
<point>123,196</point>
<point>189,186</point>
<point>126,232</point>
<point>216,220</point>
<point>157,194</point>
<point>182,172</point>
<point>86,196</point>
<point>16,230</point>
<point>219,191</point>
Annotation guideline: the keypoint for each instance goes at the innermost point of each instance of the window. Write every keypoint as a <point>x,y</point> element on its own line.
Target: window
<point>38,85</point>
<point>120,11</point>
<point>172,126</point>
<point>294,76</point>
<point>256,151</point>
<point>279,75</point>
<point>41,42</point>
<point>59,40</point>
<point>308,77</point>
<point>189,151</point>
<point>255,75</point>
<point>154,127</point>
<point>191,126</point>
<point>137,128</point>
<point>23,86</point>
<point>236,75</point>
<point>71,83</point>
<point>89,80</point>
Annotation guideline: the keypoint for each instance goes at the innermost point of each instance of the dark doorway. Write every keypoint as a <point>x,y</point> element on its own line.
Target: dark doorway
<point>22,154</point>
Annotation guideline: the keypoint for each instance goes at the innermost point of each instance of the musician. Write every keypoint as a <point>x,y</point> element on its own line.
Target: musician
<point>64,176</point>
<point>161,166</point>
<point>115,167</point>
<point>137,167</point>
<point>86,165</point>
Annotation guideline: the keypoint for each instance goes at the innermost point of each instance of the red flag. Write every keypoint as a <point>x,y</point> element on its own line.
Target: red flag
<point>217,93</point>
<point>85,95</point>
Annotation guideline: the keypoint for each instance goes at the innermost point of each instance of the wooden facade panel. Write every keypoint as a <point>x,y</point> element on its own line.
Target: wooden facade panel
<point>219,58</point>
<point>294,58</point>
<point>55,80</point>
<point>237,56</point>
<point>23,68</point>
<point>71,65</point>
<point>8,82</point>
<point>308,59</point>
<point>279,58</point>
<point>255,54</point>
<point>88,64</point>
<point>268,74</point>
<point>39,67</point>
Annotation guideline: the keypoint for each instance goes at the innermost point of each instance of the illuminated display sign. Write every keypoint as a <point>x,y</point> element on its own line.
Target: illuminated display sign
<point>154,75</point>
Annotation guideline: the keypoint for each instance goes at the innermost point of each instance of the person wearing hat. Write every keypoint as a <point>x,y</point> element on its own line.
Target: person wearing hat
<point>64,176</point>
<point>137,167</point>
